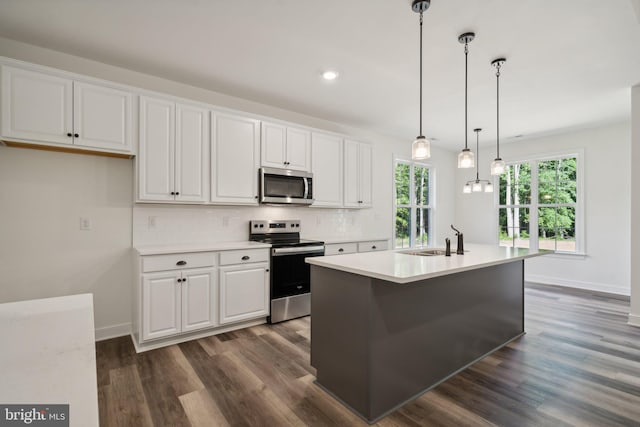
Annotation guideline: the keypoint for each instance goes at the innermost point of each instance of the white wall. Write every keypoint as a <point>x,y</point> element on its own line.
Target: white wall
<point>607,206</point>
<point>43,195</point>
<point>634,316</point>
<point>43,252</point>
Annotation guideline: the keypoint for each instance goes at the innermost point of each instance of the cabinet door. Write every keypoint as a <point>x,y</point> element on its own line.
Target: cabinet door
<point>156,152</point>
<point>351,174</point>
<point>244,292</point>
<point>365,175</point>
<point>199,299</point>
<point>160,305</point>
<point>191,154</point>
<point>235,159</point>
<point>298,155</point>
<point>36,107</point>
<point>273,146</point>
<point>326,165</point>
<point>102,117</point>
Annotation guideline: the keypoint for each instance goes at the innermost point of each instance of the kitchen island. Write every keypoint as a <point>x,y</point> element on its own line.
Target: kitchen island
<point>388,326</point>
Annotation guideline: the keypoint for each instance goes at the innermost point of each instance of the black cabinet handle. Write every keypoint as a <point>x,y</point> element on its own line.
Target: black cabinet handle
<point>181,263</point>
<point>255,197</point>
<point>246,257</point>
<point>373,247</point>
<point>177,193</point>
<point>173,193</point>
<point>76,135</point>
<point>266,270</point>
<point>179,280</point>
<point>340,250</point>
<point>69,134</point>
<point>184,280</point>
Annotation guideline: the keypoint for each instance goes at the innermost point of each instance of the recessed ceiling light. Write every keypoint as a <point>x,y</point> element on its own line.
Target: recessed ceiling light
<point>330,75</point>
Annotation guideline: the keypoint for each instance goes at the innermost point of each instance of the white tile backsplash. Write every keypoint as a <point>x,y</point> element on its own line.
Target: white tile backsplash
<point>201,224</point>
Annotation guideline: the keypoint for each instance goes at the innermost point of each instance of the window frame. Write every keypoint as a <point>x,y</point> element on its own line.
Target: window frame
<point>535,205</point>
<point>413,206</point>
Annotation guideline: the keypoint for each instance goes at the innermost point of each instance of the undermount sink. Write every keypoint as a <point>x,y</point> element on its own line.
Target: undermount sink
<point>424,252</point>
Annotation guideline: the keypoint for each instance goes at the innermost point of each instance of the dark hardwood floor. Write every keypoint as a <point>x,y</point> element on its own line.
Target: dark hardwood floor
<point>578,364</point>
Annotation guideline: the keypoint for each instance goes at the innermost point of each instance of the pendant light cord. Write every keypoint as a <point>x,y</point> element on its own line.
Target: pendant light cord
<point>498,110</point>
<point>466,113</point>
<point>477,155</point>
<point>420,73</point>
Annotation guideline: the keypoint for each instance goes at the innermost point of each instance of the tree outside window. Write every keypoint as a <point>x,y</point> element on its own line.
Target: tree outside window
<point>412,204</point>
<point>538,204</point>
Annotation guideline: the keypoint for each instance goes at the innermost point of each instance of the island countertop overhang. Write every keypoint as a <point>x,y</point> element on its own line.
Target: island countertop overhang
<point>395,266</point>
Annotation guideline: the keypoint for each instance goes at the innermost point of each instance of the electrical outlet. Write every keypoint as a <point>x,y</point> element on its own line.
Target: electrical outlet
<point>85,224</point>
<point>152,221</point>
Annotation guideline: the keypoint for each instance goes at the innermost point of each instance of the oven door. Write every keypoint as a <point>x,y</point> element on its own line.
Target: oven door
<point>290,275</point>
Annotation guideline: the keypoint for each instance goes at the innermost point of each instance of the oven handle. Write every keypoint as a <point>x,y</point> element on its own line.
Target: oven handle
<point>298,251</point>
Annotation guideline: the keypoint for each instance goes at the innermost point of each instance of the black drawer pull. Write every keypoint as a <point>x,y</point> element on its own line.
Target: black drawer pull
<point>76,135</point>
<point>246,257</point>
<point>69,135</point>
<point>181,263</point>
<point>340,250</point>
<point>373,247</point>
<point>179,280</point>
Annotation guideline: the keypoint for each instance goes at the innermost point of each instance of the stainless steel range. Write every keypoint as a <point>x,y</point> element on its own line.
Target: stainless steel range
<point>290,275</point>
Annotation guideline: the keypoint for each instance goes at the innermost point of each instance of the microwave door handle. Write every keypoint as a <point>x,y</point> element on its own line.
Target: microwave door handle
<point>306,188</point>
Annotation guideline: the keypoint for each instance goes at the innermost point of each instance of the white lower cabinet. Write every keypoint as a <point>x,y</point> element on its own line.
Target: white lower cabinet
<point>355,247</point>
<point>178,301</point>
<point>201,292</point>
<point>244,292</point>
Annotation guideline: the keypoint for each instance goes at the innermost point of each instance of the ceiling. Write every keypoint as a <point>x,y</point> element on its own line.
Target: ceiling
<point>570,63</point>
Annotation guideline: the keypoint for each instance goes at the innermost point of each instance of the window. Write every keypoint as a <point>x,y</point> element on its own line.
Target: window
<point>412,204</point>
<point>539,204</point>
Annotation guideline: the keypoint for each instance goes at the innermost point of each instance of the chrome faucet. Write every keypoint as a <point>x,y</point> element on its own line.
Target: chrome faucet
<point>460,248</point>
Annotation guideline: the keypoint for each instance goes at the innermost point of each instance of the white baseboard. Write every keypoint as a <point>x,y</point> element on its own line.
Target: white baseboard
<point>113,331</point>
<point>590,286</point>
<point>634,320</point>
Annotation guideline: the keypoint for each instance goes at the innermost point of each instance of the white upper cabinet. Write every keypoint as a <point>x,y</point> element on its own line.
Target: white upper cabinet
<point>285,147</point>
<point>327,169</point>
<point>192,154</point>
<point>102,117</point>
<point>358,174</point>
<point>173,153</point>
<point>156,152</point>
<point>45,109</point>
<point>235,159</point>
<point>36,107</point>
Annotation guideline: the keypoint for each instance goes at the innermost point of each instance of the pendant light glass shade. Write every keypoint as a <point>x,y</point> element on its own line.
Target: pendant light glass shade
<point>466,159</point>
<point>467,188</point>
<point>497,167</point>
<point>476,187</point>
<point>421,148</point>
<point>488,188</point>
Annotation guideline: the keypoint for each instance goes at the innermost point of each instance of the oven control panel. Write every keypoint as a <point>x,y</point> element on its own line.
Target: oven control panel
<point>271,226</point>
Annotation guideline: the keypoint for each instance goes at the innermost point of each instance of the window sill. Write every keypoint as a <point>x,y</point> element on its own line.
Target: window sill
<point>567,255</point>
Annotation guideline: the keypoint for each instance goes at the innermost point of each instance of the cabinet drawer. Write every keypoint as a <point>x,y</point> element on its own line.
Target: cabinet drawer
<point>178,261</point>
<point>244,256</point>
<point>373,245</point>
<point>340,248</point>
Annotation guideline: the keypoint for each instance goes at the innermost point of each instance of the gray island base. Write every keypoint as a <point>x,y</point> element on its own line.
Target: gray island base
<point>377,344</point>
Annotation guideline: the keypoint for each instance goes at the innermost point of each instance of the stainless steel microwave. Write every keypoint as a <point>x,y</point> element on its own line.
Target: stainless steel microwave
<point>285,187</point>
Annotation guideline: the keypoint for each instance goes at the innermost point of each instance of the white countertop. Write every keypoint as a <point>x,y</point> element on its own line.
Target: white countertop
<point>397,267</point>
<point>338,240</point>
<point>48,355</point>
<point>198,247</point>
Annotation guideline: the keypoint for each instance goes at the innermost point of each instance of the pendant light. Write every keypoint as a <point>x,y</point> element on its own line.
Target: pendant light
<point>421,147</point>
<point>478,185</point>
<point>497,166</point>
<point>466,158</point>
